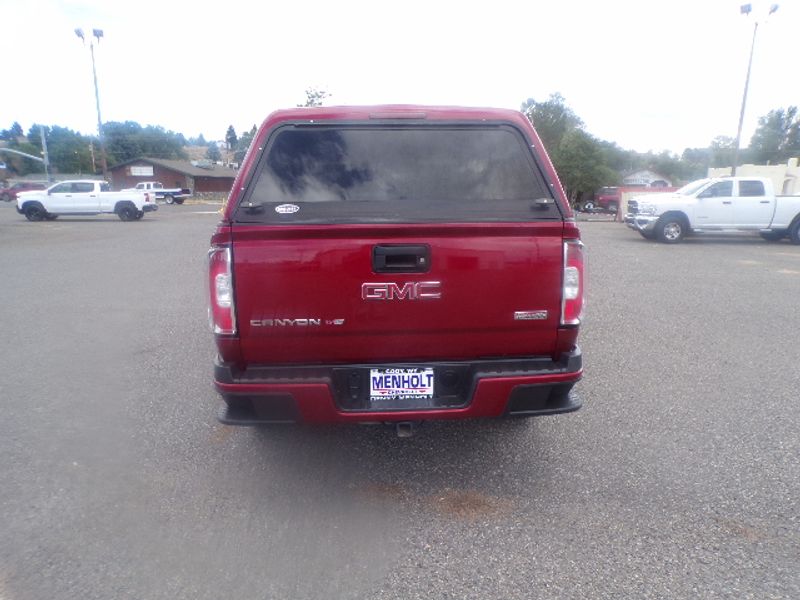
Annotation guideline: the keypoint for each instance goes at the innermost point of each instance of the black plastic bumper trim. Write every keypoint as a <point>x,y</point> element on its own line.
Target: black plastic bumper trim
<point>525,400</point>
<point>570,362</point>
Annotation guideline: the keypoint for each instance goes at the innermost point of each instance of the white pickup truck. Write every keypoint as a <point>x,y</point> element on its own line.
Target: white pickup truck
<point>168,195</point>
<point>723,204</point>
<point>84,197</point>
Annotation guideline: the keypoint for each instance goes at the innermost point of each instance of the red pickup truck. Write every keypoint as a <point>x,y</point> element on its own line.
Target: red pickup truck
<point>395,264</point>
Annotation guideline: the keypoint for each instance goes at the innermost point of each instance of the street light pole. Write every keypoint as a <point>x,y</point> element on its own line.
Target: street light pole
<point>745,10</point>
<point>46,159</point>
<point>97,34</point>
<point>744,101</point>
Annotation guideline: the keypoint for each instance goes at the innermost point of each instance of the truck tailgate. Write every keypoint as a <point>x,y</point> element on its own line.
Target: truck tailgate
<point>313,294</point>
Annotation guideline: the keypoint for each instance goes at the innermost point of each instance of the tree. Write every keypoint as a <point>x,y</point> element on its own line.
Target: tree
<point>553,119</point>
<point>695,162</point>
<point>315,97</point>
<point>244,144</point>
<point>722,149</point>
<point>20,164</point>
<point>129,140</point>
<point>582,161</point>
<point>777,137</point>
<point>581,165</point>
<point>68,150</point>
<point>230,138</point>
<point>12,133</point>
<point>213,152</point>
<point>622,161</point>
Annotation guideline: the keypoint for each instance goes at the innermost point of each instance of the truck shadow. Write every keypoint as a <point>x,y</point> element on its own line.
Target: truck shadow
<point>465,470</point>
<point>732,239</point>
<point>63,220</point>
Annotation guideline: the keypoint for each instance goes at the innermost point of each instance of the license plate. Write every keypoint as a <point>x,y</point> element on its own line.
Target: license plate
<point>400,384</point>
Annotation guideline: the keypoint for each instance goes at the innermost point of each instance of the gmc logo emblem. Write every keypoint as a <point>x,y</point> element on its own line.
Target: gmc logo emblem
<point>418,290</point>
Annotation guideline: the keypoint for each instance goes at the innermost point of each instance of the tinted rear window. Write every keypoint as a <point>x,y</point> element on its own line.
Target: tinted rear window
<point>370,174</point>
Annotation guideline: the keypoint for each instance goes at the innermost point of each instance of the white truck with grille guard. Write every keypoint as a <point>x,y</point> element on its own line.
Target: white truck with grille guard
<point>723,204</point>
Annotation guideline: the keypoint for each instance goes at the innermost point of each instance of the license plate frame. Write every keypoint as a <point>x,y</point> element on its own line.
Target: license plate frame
<point>401,383</point>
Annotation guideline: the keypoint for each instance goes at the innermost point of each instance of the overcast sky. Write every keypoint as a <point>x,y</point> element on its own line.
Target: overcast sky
<point>646,75</point>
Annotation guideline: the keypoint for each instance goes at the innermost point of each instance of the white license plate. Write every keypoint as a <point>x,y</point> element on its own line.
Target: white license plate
<point>400,384</point>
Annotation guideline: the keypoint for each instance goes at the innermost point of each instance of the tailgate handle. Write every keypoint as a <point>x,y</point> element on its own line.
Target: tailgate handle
<point>401,258</point>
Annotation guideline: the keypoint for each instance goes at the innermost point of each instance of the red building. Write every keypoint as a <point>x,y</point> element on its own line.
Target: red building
<point>198,176</point>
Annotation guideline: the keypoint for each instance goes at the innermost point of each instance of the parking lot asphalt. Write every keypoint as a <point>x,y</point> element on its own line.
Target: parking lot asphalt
<point>679,477</point>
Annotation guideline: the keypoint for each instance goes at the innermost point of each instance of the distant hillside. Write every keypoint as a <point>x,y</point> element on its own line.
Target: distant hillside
<point>199,153</point>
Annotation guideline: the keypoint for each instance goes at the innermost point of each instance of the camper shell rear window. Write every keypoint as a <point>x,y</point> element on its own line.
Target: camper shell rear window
<point>368,173</point>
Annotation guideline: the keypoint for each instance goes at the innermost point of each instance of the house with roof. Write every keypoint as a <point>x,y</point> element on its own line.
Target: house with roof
<point>645,178</point>
<point>200,176</point>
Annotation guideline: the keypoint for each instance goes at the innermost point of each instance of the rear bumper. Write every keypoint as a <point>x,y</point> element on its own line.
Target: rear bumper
<point>336,394</point>
<point>150,207</point>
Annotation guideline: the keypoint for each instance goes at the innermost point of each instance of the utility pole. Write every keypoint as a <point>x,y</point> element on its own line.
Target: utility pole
<point>96,34</point>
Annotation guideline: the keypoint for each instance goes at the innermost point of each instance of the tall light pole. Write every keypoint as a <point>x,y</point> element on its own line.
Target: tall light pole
<point>746,9</point>
<point>96,34</point>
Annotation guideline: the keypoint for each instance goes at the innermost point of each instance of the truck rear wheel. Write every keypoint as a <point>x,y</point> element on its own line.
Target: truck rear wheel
<point>126,212</point>
<point>794,232</point>
<point>178,200</point>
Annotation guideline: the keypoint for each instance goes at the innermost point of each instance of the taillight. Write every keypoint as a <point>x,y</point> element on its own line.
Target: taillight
<point>222,310</point>
<point>572,294</point>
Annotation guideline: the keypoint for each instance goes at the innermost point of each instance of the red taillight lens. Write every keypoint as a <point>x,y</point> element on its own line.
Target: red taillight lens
<point>572,294</point>
<point>222,310</point>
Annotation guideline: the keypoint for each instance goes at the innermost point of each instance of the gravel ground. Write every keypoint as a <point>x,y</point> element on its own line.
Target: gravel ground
<point>678,479</point>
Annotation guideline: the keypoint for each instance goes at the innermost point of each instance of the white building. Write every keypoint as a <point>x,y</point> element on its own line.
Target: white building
<point>785,178</point>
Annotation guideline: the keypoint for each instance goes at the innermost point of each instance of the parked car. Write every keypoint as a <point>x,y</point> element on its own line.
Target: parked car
<point>10,193</point>
<point>723,204</point>
<point>605,199</point>
<point>396,264</point>
<point>84,197</point>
